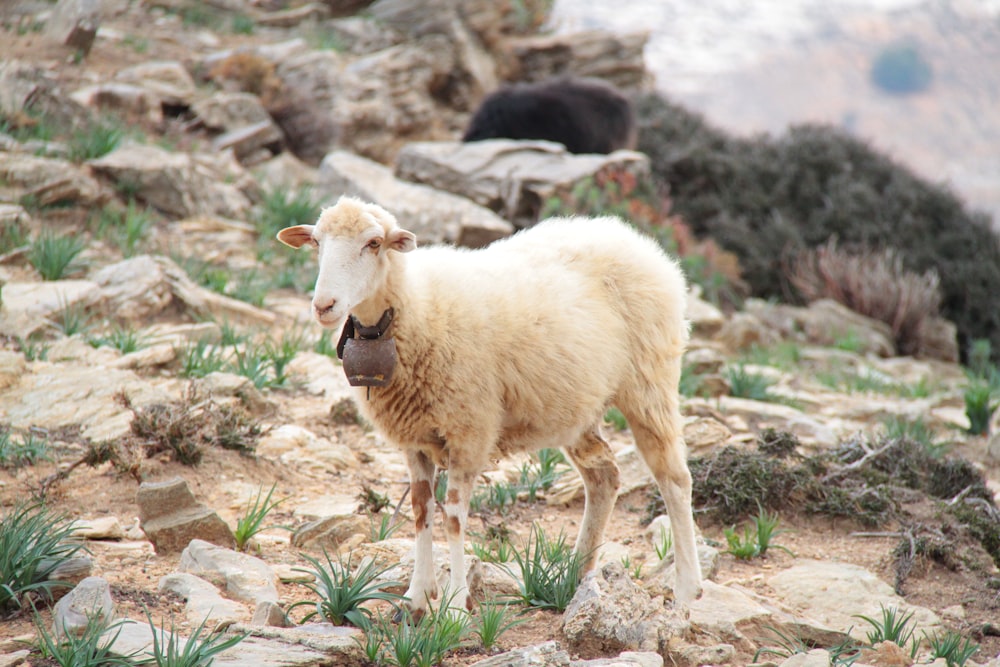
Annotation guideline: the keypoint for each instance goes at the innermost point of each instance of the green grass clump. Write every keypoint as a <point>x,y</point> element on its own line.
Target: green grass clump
<point>124,339</point>
<point>493,620</point>
<point>756,538</point>
<point>126,229</point>
<point>746,384</point>
<point>252,521</point>
<point>894,626</point>
<point>96,140</point>
<point>53,256</point>
<point>17,452</point>
<point>34,542</point>
<point>13,235</point>
<point>955,649</point>
<point>422,642</point>
<point>342,591</point>
<point>201,359</point>
<point>615,418</point>
<point>198,650</point>
<point>550,571</point>
<point>91,648</point>
<point>979,407</point>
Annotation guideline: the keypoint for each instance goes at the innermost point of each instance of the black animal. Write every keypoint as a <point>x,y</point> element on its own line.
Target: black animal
<point>585,115</point>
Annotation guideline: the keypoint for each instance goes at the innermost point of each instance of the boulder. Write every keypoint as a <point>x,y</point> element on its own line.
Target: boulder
<point>241,576</point>
<point>49,181</point>
<point>177,184</point>
<point>203,602</point>
<point>225,111</point>
<point>434,216</point>
<point>834,593</point>
<point>90,599</point>
<point>74,24</point>
<point>514,178</point>
<point>127,99</point>
<point>332,533</point>
<point>27,307</point>
<point>610,613</point>
<point>615,57</point>
<point>167,79</point>
<point>827,322</point>
<point>547,654</point>
<point>171,517</point>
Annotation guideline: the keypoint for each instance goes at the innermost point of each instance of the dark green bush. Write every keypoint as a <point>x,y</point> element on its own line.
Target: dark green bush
<point>901,69</point>
<point>765,199</point>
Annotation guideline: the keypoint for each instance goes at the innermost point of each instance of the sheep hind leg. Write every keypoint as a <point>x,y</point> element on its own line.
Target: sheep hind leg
<point>664,453</point>
<point>423,585</point>
<point>595,462</point>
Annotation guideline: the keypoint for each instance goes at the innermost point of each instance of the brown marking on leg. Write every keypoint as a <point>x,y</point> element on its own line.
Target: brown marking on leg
<point>452,496</point>
<point>453,526</point>
<point>420,496</point>
<point>596,464</point>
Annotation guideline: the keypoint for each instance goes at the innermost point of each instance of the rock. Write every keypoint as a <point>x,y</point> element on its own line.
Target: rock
<point>252,143</point>
<point>90,599</point>
<point>937,338</point>
<point>289,18</point>
<point>362,34</point>
<point>310,88</point>
<point>610,613</point>
<point>72,570</point>
<point>138,288</point>
<point>321,376</point>
<point>835,593</point>
<point>225,111</point>
<point>626,659</point>
<point>286,172</point>
<point>723,607</point>
<point>614,57</point>
<point>743,331</point>
<point>25,86</point>
<point>242,576</point>
<point>74,23</point>
<point>147,357</point>
<point>48,181</point>
<point>12,366</point>
<point>811,431</point>
<point>204,604</point>
<point>177,184</point>
<point>814,658</point>
<point>15,658</point>
<point>332,533</point>
<point>104,528</point>
<point>59,395</point>
<point>434,216</point>
<point>704,435</point>
<point>271,614</point>
<point>297,446</point>
<point>826,322</point>
<point>126,99</point>
<point>547,654</point>
<point>718,654</point>
<point>512,178</point>
<point>172,518</point>
<point>167,79</point>
<point>706,319</point>
<point>253,651</point>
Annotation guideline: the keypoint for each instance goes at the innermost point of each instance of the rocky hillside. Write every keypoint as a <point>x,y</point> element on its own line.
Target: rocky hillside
<point>160,375</point>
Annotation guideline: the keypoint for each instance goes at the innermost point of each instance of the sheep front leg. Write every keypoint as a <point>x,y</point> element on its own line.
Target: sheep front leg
<point>456,510</point>
<point>423,585</point>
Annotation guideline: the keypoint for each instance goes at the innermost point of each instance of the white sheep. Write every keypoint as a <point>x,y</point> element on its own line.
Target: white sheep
<point>516,347</point>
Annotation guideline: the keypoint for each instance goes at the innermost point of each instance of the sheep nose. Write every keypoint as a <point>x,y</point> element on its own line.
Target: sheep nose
<point>324,307</point>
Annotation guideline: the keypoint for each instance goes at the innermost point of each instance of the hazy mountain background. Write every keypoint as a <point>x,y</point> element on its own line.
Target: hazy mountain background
<point>755,66</point>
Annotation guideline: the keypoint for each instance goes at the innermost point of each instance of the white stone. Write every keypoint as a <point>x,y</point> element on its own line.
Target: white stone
<point>204,603</point>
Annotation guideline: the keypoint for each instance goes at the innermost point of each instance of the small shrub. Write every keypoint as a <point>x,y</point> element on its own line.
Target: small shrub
<point>53,256</point>
<point>252,521</point>
<point>72,319</point>
<point>253,363</point>
<point>901,69</point>
<point>384,528</point>
<point>492,548</point>
<point>873,283</point>
<point>785,645</point>
<point>550,571</point>
<point>34,542</point>
<point>243,24</point>
<point>342,591</point>
<point>124,228</point>
<point>663,544</point>
<point>200,359</point>
<point>421,643</point>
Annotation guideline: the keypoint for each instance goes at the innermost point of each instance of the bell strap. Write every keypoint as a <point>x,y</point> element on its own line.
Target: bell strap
<point>352,326</point>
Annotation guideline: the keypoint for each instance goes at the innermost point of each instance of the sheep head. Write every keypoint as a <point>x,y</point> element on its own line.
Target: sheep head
<point>353,241</point>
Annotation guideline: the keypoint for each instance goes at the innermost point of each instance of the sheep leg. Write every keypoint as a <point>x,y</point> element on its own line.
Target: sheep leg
<point>666,458</point>
<point>456,511</point>
<point>595,462</point>
<point>423,585</point>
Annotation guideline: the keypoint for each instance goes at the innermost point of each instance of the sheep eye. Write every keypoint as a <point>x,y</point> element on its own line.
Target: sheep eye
<point>374,244</point>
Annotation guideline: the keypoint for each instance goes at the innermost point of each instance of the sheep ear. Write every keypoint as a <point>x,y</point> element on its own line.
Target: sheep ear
<point>297,236</point>
<point>401,240</point>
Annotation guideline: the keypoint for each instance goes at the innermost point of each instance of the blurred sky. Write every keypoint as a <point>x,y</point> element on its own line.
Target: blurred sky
<point>759,65</point>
